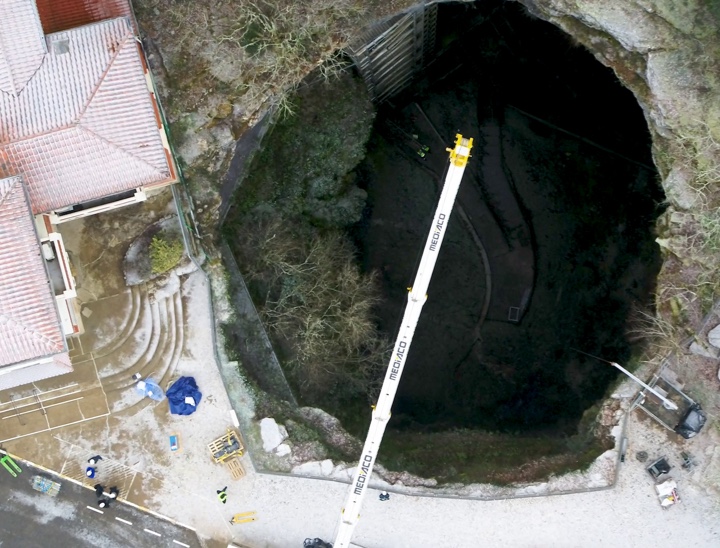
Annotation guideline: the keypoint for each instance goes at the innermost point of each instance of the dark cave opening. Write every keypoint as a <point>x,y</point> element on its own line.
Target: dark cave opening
<point>550,247</point>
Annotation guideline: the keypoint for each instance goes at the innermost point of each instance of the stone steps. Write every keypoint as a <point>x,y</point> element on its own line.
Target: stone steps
<point>159,363</point>
<point>138,298</point>
<point>154,339</point>
<point>179,346</point>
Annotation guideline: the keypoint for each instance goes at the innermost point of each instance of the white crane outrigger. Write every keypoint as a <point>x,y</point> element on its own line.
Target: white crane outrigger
<point>417,296</point>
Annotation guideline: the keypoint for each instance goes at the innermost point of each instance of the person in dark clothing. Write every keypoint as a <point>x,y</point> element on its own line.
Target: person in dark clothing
<point>104,503</point>
<point>99,490</point>
<point>92,461</point>
<point>114,492</point>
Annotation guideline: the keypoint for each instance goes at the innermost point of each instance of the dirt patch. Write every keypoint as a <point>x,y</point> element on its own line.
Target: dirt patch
<point>97,245</point>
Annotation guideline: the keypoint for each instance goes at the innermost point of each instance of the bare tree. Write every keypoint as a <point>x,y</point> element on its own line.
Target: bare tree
<point>317,300</point>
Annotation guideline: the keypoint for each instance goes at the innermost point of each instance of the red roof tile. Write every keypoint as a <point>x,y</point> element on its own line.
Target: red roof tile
<point>29,322</point>
<point>22,47</point>
<point>85,125</point>
<point>57,15</point>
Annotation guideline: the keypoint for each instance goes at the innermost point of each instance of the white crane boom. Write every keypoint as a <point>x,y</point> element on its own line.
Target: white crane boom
<point>416,299</point>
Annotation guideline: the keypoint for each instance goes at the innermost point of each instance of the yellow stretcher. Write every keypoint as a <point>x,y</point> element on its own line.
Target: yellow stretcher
<point>244,517</point>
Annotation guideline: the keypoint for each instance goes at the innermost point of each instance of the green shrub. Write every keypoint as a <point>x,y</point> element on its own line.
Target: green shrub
<point>308,173</point>
<point>165,255</point>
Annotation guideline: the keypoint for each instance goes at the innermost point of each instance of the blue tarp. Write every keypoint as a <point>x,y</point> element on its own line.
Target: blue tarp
<point>181,394</point>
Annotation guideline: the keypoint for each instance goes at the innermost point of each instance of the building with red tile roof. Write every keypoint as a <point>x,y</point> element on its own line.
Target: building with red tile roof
<point>78,118</point>
<point>80,133</point>
<point>32,343</point>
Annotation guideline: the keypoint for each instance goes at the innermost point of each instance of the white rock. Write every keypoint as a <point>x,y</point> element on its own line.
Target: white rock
<point>308,469</point>
<point>628,23</point>
<point>704,351</point>
<point>537,489</point>
<point>326,467</point>
<point>678,187</point>
<point>282,450</point>
<point>714,336</point>
<point>271,434</point>
<point>340,471</point>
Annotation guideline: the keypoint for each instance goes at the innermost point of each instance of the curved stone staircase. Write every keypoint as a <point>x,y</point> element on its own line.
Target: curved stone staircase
<point>150,343</point>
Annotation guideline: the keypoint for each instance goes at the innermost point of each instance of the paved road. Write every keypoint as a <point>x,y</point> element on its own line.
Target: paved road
<point>30,519</point>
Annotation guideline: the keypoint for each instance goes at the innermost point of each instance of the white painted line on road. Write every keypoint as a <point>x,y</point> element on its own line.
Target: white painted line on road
<point>152,532</point>
<point>181,543</point>
<point>158,515</point>
<point>94,509</point>
<point>124,521</point>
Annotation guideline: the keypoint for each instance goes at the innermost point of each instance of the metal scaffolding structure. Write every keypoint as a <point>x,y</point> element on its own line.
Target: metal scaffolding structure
<point>391,53</point>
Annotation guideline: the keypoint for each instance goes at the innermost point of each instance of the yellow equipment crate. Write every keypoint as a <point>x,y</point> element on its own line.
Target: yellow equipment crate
<point>226,447</point>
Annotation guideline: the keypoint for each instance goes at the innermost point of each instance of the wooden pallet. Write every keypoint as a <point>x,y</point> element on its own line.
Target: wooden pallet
<point>236,468</point>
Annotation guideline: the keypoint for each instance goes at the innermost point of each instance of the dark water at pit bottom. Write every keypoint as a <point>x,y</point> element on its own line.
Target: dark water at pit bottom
<point>566,226</point>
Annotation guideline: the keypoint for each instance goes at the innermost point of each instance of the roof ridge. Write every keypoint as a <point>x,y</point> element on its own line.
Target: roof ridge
<point>109,67</point>
<point>4,195</point>
<point>116,147</point>
<point>18,82</point>
<point>6,64</point>
<point>39,66</point>
<point>48,342</point>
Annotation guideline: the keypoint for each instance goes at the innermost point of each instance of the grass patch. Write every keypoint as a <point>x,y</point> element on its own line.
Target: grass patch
<point>165,254</point>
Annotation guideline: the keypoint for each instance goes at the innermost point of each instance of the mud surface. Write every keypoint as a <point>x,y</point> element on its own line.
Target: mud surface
<point>550,245</point>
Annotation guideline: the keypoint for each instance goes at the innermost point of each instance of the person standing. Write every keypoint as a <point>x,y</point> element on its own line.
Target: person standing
<point>222,494</point>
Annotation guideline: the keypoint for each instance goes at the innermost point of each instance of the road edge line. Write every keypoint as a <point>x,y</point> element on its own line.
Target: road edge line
<point>81,484</point>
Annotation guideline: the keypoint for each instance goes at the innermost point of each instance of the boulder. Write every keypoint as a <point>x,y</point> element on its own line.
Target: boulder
<point>714,336</point>
<point>326,467</point>
<point>703,350</point>
<point>272,434</point>
<point>282,450</point>
<point>313,469</point>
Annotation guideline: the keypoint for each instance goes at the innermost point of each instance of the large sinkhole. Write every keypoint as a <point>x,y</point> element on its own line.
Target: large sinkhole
<point>550,248</point>
<point>549,251</point>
